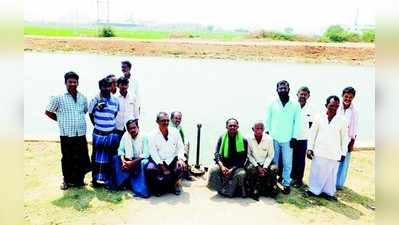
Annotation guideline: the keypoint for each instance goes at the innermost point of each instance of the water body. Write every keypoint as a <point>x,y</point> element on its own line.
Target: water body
<point>207,91</point>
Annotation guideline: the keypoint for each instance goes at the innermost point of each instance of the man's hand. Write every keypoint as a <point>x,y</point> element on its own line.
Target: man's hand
<point>310,154</point>
<point>261,171</point>
<point>229,172</point>
<point>350,145</point>
<point>165,170</point>
<point>224,170</point>
<point>292,142</point>
<point>180,164</point>
<point>342,158</point>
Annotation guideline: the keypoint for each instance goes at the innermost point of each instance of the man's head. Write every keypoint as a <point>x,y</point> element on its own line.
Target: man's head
<point>175,117</point>
<point>132,127</point>
<point>332,104</point>
<point>283,89</point>
<point>258,128</point>
<point>163,120</point>
<point>126,66</point>
<point>232,126</point>
<point>348,94</point>
<point>71,81</point>
<point>105,87</point>
<point>112,77</point>
<point>303,95</point>
<point>123,85</point>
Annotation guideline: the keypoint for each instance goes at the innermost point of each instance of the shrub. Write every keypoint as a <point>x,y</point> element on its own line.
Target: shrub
<point>335,33</point>
<point>106,32</point>
<point>368,35</point>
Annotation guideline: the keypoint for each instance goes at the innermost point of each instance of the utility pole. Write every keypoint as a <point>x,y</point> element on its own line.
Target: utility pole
<point>356,17</point>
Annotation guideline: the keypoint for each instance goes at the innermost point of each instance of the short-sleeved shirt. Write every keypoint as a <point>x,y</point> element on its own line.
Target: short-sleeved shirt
<point>104,119</point>
<point>70,114</point>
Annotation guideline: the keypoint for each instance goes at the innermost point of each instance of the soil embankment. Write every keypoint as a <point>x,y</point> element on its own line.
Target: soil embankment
<point>282,51</point>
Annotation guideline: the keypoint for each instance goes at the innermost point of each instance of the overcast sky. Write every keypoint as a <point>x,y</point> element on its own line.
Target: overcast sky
<point>303,15</point>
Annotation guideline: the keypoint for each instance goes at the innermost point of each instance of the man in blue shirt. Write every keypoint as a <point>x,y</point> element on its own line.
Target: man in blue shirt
<point>69,111</point>
<point>102,111</point>
<point>283,123</point>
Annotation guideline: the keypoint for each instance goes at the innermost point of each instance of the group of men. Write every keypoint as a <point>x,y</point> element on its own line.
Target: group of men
<point>152,165</point>
<point>276,151</point>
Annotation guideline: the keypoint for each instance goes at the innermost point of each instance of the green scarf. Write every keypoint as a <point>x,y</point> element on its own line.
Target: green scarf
<point>224,147</point>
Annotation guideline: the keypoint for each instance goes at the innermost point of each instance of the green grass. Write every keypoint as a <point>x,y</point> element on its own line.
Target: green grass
<point>126,33</point>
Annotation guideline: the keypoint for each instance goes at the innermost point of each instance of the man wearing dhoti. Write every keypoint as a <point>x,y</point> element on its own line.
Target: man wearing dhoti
<point>328,137</point>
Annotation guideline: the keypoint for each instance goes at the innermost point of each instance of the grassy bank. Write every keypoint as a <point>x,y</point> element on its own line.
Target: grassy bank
<point>44,203</point>
<point>128,33</point>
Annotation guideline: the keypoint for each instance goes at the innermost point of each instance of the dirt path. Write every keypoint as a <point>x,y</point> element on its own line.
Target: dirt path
<point>309,52</point>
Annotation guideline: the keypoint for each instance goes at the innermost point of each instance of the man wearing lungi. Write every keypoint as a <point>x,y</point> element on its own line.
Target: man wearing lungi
<point>227,177</point>
<point>328,137</point>
<point>69,111</point>
<point>102,111</point>
<point>131,160</point>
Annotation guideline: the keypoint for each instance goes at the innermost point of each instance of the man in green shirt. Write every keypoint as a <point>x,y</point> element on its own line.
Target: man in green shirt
<point>283,123</point>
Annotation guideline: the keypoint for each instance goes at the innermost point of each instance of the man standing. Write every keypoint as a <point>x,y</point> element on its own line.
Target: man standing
<point>283,122</point>
<point>127,106</point>
<point>166,165</point>
<point>327,140</point>
<point>350,113</point>
<point>133,83</point>
<point>261,174</point>
<point>228,176</point>
<point>102,111</point>
<point>131,161</point>
<point>69,111</point>
<point>176,117</point>
<point>301,145</point>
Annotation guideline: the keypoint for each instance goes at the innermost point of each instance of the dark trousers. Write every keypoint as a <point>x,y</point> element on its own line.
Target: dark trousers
<point>75,161</point>
<point>298,160</point>
<point>159,183</point>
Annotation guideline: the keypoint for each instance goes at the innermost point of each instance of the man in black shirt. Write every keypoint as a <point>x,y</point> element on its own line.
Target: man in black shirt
<point>228,176</point>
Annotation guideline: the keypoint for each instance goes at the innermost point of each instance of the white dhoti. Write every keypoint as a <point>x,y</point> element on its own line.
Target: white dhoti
<point>323,176</point>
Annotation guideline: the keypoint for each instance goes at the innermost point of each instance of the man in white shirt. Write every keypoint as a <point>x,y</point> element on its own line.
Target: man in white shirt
<point>261,174</point>
<point>301,144</point>
<point>166,164</point>
<point>128,108</point>
<point>131,161</point>
<point>328,137</point>
<point>126,66</point>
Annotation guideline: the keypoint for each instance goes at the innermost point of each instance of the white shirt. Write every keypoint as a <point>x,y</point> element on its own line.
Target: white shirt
<point>133,147</point>
<point>134,89</point>
<point>306,118</point>
<point>329,140</point>
<point>351,116</point>
<point>166,150</point>
<point>262,152</point>
<point>128,109</point>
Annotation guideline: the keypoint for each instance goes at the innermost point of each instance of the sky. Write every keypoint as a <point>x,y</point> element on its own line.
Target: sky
<point>305,15</point>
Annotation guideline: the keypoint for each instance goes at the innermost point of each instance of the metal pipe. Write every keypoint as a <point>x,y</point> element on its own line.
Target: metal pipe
<point>197,165</point>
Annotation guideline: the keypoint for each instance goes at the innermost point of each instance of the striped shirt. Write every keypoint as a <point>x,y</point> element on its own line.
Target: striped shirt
<point>104,119</point>
<point>70,114</point>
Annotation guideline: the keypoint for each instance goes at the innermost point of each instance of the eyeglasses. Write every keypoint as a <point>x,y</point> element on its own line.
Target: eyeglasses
<point>164,120</point>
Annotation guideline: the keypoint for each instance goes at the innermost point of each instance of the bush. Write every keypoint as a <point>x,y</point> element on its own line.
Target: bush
<point>106,32</point>
<point>277,35</point>
<point>368,35</point>
<point>335,33</point>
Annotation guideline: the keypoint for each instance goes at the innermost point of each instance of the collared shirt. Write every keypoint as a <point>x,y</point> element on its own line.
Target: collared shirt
<point>306,120</point>
<point>181,132</point>
<point>162,150</point>
<point>351,116</point>
<point>134,89</point>
<point>70,114</point>
<point>329,139</point>
<point>283,122</point>
<point>104,119</point>
<point>139,147</point>
<point>128,109</point>
<point>261,153</point>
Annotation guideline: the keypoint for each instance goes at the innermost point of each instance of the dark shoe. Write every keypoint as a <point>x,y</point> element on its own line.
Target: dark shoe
<point>308,194</point>
<point>64,186</point>
<point>298,184</point>
<point>177,190</point>
<point>286,190</point>
<point>95,184</point>
<point>328,197</point>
